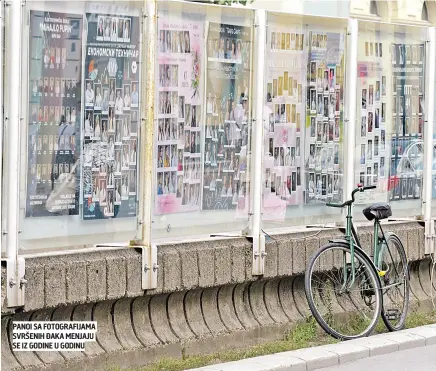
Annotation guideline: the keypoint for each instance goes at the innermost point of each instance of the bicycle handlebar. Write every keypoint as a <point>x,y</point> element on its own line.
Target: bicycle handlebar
<point>359,188</point>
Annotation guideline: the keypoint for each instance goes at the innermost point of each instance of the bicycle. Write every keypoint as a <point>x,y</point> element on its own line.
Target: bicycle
<point>380,282</point>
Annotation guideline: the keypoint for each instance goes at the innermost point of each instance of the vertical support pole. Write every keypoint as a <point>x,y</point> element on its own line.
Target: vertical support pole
<point>15,266</point>
<point>350,110</point>
<point>428,139</point>
<point>1,114</point>
<point>257,148</point>
<point>149,256</point>
<point>13,128</point>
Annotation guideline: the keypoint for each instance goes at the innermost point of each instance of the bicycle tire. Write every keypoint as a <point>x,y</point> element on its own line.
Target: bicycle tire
<point>310,293</point>
<point>405,273</point>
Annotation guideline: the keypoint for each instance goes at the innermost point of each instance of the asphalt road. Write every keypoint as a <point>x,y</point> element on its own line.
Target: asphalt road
<point>417,359</point>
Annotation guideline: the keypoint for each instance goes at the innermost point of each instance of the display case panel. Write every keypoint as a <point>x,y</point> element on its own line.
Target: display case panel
<point>390,115</point>
<point>81,73</point>
<point>203,120</point>
<point>303,163</point>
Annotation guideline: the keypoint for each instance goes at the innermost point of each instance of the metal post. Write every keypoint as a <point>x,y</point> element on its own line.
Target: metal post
<point>256,194</point>
<point>428,139</point>
<point>15,266</point>
<point>350,111</point>
<point>149,255</point>
<point>1,113</point>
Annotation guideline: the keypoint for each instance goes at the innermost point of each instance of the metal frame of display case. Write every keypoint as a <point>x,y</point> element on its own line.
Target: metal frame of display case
<point>15,282</point>
<point>428,141</point>
<point>259,254</point>
<point>149,250</point>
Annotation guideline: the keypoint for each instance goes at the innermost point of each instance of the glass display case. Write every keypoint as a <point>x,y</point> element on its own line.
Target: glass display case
<point>390,115</point>
<point>203,120</point>
<point>81,73</point>
<point>304,132</point>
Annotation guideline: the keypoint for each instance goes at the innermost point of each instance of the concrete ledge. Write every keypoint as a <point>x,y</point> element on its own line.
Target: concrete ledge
<point>134,332</point>
<point>207,300</point>
<point>329,355</point>
<point>110,275</point>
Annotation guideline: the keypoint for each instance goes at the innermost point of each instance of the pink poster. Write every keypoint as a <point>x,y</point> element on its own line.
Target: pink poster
<point>178,157</point>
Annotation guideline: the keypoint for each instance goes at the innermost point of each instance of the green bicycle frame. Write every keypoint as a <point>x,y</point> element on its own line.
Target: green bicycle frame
<point>352,239</point>
<point>351,235</point>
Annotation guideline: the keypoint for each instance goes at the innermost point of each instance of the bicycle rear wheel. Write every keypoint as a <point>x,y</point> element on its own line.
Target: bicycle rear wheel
<point>395,283</point>
<point>343,310</point>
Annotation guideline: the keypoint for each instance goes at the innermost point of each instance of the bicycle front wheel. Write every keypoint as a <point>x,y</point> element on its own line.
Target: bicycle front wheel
<point>344,309</point>
<point>394,274</point>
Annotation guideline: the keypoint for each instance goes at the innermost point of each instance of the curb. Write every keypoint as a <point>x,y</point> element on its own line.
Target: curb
<point>334,354</point>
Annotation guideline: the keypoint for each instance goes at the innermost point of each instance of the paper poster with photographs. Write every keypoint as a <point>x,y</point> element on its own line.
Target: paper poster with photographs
<point>55,53</point>
<point>179,110</point>
<point>324,120</point>
<point>111,116</point>
<point>225,183</point>
<point>285,113</point>
<point>405,175</point>
<point>372,148</point>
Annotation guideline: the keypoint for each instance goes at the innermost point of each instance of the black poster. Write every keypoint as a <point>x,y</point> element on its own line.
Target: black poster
<point>55,54</point>
<point>227,117</point>
<point>111,117</point>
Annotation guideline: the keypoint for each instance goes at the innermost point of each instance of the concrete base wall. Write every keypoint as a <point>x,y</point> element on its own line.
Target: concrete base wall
<point>207,299</point>
<point>136,331</point>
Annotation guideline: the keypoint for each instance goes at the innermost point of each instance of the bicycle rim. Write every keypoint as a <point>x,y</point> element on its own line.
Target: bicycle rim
<point>395,284</point>
<point>343,310</point>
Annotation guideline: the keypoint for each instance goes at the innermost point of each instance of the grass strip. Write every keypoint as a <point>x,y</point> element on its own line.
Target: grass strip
<point>304,335</point>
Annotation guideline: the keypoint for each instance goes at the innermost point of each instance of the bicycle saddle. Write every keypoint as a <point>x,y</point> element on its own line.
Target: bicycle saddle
<point>378,211</point>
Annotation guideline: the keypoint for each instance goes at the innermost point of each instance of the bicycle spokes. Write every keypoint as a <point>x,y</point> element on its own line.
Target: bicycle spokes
<point>347,304</point>
<point>395,283</point>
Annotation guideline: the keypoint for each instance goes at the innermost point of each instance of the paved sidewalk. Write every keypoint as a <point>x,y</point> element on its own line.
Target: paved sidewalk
<point>416,359</point>
<point>335,354</point>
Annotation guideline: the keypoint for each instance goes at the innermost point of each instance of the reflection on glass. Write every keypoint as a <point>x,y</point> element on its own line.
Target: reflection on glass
<point>405,178</point>
<point>390,86</point>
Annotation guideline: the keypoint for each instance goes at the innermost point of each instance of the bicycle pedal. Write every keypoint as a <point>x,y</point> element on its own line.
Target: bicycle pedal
<point>392,314</point>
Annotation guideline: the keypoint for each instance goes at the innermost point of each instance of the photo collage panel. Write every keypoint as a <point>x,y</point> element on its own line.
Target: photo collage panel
<point>372,147</point>
<point>57,127</point>
<point>284,160</point>
<point>324,95</point>
<point>111,136</point>
<point>373,118</point>
<point>178,152</point>
<point>287,41</point>
<point>405,181</point>
<point>175,41</point>
<point>227,118</point>
<point>53,114</point>
<point>111,119</point>
<point>179,117</point>
<point>113,29</point>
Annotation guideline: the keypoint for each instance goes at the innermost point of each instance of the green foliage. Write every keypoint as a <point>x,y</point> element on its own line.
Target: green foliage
<point>223,2</point>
